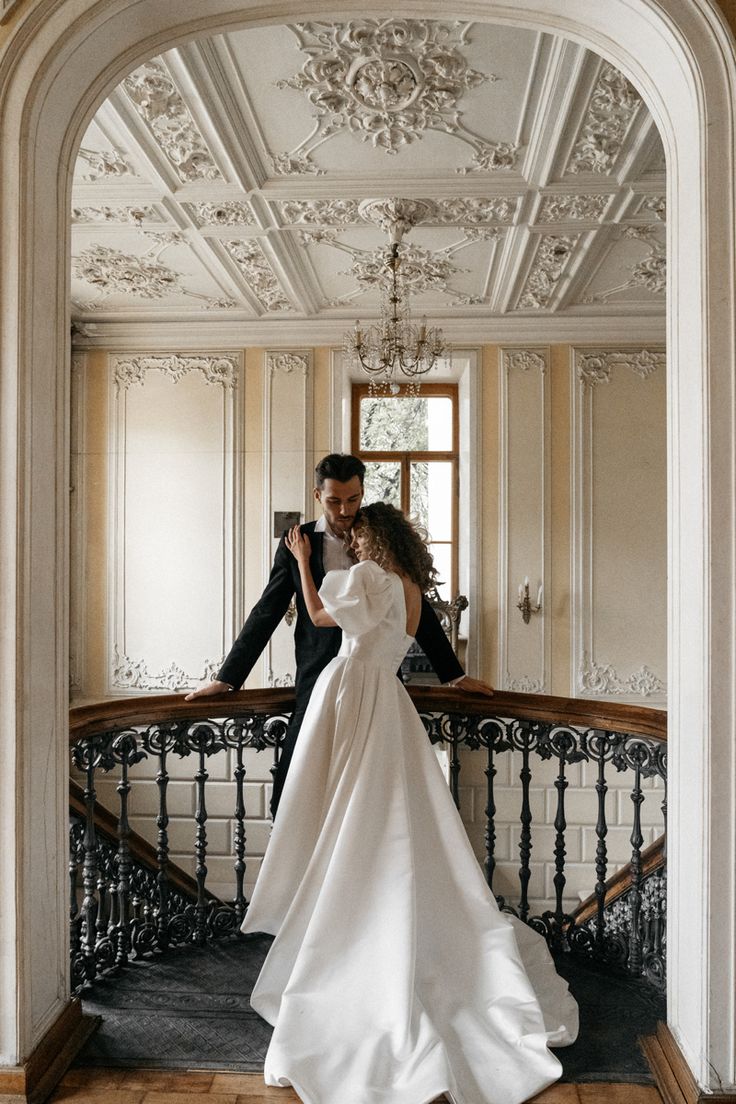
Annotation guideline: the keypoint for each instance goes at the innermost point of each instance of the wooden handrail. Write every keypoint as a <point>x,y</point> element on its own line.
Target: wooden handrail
<point>141,851</point>
<point>652,858</point>
<point>584,713</point>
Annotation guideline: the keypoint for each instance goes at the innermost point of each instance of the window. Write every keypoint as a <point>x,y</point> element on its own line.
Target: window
<point>409,444</point>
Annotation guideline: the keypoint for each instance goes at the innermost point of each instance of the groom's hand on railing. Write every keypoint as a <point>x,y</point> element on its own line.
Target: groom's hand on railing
<point>471,685</point>
<point>213,687</point>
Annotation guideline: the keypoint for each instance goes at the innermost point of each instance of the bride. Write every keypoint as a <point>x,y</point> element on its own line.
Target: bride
<point>393,977</point>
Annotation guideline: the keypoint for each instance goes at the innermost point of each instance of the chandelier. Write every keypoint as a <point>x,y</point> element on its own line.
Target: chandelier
<point>394,347</point>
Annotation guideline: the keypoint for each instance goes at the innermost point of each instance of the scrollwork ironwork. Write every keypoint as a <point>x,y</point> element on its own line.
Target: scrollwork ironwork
<point>131,910</point>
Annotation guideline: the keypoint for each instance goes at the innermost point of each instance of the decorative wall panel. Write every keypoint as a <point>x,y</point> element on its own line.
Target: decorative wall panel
<point>523,517</point>
<point>619,524</point>
<point>288,476</point>
<point>174,545</point>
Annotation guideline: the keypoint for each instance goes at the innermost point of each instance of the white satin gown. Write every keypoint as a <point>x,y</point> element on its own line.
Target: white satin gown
<point>393,977</point>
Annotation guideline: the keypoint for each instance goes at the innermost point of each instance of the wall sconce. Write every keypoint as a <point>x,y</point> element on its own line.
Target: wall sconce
<point>525,603</point>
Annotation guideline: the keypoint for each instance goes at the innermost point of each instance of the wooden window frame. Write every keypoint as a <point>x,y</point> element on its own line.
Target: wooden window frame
<point>444,390</point>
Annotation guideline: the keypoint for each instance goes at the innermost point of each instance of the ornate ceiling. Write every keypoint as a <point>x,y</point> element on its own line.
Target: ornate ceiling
<point>220,187</point>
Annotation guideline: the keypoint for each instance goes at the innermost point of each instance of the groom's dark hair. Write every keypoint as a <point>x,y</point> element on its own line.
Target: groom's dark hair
<point>340,466</point>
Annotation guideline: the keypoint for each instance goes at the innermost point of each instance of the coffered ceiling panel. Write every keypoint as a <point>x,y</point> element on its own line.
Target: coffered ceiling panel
<point>228,180</point>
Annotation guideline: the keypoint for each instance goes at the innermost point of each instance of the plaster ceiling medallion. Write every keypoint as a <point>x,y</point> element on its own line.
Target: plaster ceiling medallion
<point>395,216</point>
<point>104,164</point>
<point>228,213</point>
<point>155,97</point>
<point>143,276</point>
<point>548,268</point>
<point>123,215</point>
<point>650,272</point>
<point>388,81</point>
<point>260,277</point>
<point>421,269</point>
<point>613,105</point>
<point>564,208</point>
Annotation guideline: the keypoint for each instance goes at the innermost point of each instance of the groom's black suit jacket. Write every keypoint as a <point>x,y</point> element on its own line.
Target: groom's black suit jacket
<point>314,647</point>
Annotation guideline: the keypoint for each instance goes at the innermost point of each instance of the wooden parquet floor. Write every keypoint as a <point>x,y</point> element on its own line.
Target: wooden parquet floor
<point>118,1086</point>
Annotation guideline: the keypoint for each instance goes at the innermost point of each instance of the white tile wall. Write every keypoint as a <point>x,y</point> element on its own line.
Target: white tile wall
<point>581,812</point>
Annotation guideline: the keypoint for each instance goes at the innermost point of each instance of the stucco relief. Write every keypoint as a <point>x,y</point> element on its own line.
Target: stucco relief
<point>561,208</point>
<point>524,360</point>
<point>278,680</point>
<point>595,367</point>
<point>104,165</point>
<point>655,205</point>
<point>259,275</point>
<point>157,100</point>
<point>613,104</point>
<point>469,212</point>
<point>288,363</point>
<point>133,674</point>
<point>603,678</point>
<point>648,272</point>
<point>144,275</point>
<point>320,212</point>
<point>134,216</point>
<point>388,81</point>
<point>110,270</point>
<point>216,370</point>
<point>420,269</point>
<point>523,685</point>
<point>227,213</point>
<point>553,253</point>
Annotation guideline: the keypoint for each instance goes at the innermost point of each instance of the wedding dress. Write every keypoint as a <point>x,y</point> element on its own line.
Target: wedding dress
<point>393,977</point>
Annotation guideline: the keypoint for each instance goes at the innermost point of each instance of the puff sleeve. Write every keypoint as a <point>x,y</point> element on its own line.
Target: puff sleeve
<point>358,599</point>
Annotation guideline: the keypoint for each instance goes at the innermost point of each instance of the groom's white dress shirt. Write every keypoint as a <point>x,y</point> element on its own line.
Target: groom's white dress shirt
<point>335,553</point>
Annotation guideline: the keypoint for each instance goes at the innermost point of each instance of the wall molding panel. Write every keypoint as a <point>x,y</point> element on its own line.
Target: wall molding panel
<point>524,651</point>
<point>175,491</point>
<point>619,540</point>
<point>288,430</point>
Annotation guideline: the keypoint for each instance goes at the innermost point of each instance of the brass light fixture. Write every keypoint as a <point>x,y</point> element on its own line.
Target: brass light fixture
<point>525,603</point>
<point>394,347</point>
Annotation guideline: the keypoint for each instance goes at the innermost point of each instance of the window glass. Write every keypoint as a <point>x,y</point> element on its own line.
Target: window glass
<point>383,482</point>
<point>430,498</point>
<point>416,424</point>
<point>442,556</point>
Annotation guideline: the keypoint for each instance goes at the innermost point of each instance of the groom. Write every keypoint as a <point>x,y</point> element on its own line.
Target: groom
<point>339,491</point>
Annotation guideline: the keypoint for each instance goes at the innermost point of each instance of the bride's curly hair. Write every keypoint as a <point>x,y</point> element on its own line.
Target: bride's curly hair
<point>396,544</point>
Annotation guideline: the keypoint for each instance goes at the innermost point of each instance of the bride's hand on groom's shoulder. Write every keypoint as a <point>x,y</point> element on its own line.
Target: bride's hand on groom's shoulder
<point>298,544</point>
<point>213,687</point>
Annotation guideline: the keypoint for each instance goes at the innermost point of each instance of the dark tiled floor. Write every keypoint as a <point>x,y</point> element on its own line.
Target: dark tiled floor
<point>190,1010</point>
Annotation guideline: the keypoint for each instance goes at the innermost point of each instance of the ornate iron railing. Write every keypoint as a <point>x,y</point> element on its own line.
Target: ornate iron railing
<point>131,907</point>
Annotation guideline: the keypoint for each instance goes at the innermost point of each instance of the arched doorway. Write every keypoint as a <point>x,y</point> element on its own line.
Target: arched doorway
<point>60,61</point>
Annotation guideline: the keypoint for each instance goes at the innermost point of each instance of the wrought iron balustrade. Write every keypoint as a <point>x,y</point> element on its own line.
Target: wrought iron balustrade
<point>128,902</point>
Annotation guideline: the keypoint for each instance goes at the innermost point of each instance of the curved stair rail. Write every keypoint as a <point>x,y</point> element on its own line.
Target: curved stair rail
<point>134,903</point>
